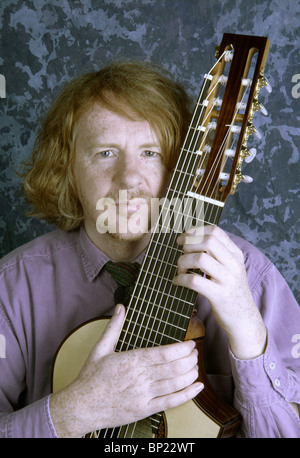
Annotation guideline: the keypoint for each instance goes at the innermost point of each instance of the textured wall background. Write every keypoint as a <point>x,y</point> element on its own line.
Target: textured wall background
<point>45,43</point>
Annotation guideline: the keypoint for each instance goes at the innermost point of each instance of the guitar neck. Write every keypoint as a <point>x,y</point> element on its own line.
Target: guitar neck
<point>159,312</point>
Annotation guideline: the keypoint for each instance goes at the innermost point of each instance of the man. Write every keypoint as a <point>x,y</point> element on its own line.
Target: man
<point>120,129</point>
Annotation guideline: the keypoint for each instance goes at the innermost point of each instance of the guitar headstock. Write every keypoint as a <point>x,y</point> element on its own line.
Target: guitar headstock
<point>222,120</point>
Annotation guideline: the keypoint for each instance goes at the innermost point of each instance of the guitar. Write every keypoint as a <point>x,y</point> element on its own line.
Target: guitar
<point>208,170</point>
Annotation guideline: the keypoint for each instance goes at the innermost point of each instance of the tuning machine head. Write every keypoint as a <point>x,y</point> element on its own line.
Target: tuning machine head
<point>248,154</point>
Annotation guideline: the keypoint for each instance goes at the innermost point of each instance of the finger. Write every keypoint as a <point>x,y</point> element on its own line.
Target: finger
<point>201,285</point>
<point>209,231</point>
<point>174,368</point>
<point>109,338</point>
<point>171,385</point>
<point>155,356</point>
<point>200,260</point>
<point>217,244</point>
<point>169,401</point>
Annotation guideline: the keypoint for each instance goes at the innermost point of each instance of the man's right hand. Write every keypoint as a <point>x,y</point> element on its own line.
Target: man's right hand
<point>118,388</point>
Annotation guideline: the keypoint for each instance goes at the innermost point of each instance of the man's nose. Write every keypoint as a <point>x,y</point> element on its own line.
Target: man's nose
<point>128,174</point>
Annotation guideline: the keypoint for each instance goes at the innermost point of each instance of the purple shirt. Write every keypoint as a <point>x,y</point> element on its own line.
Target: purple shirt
<point>56,282</point>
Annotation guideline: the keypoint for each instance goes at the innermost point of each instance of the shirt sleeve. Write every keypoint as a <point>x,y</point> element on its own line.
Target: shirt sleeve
<point>32,421</point>
<point>266,386</point>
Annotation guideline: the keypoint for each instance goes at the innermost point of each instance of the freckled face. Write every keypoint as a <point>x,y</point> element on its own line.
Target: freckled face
<point>114,153</point>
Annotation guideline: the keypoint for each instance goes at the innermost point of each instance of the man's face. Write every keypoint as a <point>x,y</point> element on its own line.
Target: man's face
<point>113,154</point>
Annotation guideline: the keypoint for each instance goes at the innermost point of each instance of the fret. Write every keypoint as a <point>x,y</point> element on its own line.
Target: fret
<point>184,172</point>
<point>159,250</point>
<point>188,160</point>
<point>182,182</point>
<point>157,309</point>
<point>156,263</point>
<point>124,344</point>
<point>158,326</point>
<point>149,291</point>
<point>146,337</point>
<point>195,152</point>
<point>175,192</point>
<point>206,199</point>
<point>163,244</point>
<point>193,137</point>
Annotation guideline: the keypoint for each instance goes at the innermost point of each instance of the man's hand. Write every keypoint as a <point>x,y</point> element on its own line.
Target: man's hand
<point>225,285</point>
<point>115,389</point>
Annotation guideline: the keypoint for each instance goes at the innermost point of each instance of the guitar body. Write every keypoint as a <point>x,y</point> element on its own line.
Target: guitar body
<point>192,419</point>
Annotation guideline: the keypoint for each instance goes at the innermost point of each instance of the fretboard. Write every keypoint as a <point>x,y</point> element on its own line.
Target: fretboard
<point>159,311</point>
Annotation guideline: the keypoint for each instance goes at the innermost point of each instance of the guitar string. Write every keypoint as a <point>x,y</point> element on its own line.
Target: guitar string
<point>134,426</point>
<point>217,62</point>
<point>222,149</point>
<point>187,167</point>
<point>190,160</point>
<point>234,139</point>
<point>190,142</point>
<point>236,113</point>
<point>133,431</point>
<point>126,428</point>
<point>195,113</point>
<point>145,270</point>
<point>157,290</point>
<point>208,93</point>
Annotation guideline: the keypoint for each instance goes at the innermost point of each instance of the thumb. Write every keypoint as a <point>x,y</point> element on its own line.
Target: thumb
<point>109,338</point>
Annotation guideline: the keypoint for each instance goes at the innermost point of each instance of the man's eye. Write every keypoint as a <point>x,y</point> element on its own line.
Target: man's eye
<point>105,153</point>
<point>150,153</point>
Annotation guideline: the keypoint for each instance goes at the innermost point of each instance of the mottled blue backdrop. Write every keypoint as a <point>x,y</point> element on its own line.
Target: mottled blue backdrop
<point>45,43</point>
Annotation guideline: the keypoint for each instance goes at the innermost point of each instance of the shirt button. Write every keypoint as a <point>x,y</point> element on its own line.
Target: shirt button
<point>277,382</point>
<point>272,366</point>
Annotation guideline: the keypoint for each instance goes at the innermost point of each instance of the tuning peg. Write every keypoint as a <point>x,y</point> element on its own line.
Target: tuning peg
<point>263,109</point>
<point>200,173</point>
<point>223,79</point>
<point>224,177</point>
<point>241,178</point>
<point>263,82</point>
<point>228,56</point>
<point>246,179</point>
<point>246,82</point>
<point>257,134</point>
<point>268,86</point>
<point>251,129</point>
<point>250,155</point>
<point>256,105</point>
<point>217,102</point>
<point>230,152</point>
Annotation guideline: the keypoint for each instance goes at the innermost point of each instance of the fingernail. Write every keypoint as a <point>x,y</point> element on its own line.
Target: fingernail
<point>118,309</point>
<point>199,386</point>
<point>179,239</point>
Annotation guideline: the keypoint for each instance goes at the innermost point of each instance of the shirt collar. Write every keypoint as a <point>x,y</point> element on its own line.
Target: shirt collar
<point>93,259</point>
